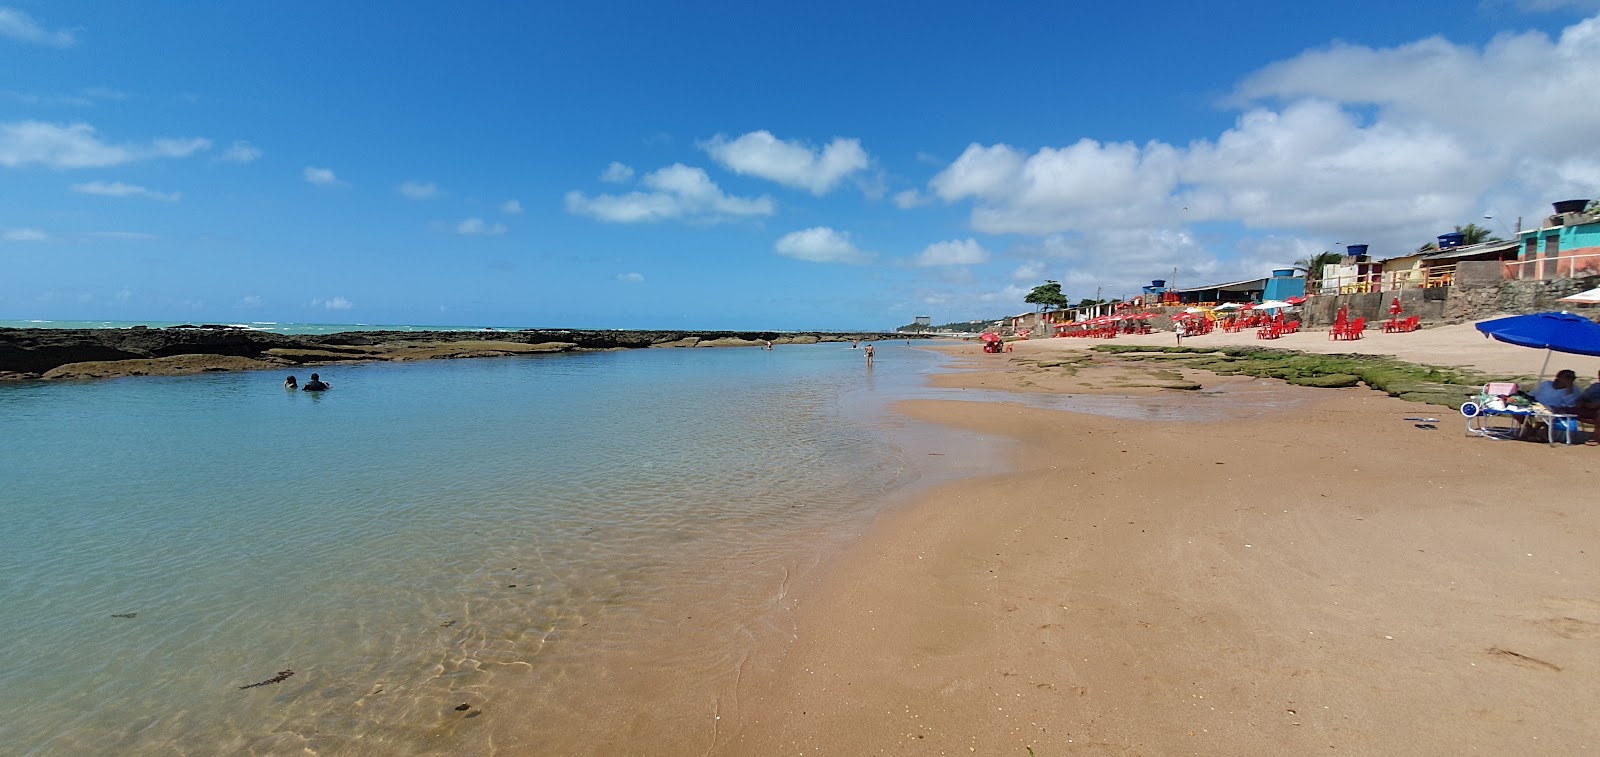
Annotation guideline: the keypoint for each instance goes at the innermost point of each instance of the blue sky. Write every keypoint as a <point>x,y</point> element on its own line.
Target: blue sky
<point>730,165</point>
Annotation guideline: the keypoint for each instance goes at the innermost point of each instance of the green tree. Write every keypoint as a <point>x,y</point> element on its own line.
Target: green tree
<point>1474,234</point>
<point>1312,267</point>
<point>1047,296</point>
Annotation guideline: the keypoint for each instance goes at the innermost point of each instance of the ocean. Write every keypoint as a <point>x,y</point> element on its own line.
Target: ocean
<point>438,557</point>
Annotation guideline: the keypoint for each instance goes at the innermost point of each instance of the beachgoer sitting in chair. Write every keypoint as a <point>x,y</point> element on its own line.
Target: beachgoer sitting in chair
<point>1589,410</point>
<point>1558,396</point>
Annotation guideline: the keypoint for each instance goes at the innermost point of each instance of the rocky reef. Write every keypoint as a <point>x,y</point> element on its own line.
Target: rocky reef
<point>108,353</point>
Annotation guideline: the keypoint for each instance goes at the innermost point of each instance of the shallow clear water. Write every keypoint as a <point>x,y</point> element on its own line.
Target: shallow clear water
<point>422,536</point>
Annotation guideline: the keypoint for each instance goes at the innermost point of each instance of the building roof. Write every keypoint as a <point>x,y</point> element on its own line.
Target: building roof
<point>1248,285</point>
<point>1482,248</point>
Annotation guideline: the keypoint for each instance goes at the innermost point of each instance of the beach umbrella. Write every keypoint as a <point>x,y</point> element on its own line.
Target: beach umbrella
<point>1230,306</point>
<point>989,336</point>
<point>1551,332</point>
<point>1272,305</point>
<point>1296,300</point>
<point>1591,297</point>
<point>1394,307</point>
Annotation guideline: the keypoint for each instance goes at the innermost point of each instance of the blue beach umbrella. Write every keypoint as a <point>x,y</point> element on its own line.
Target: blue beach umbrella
<point>1553,332</point>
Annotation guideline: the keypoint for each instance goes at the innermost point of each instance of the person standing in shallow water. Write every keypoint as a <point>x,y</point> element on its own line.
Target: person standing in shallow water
<point>869,354</point>
<point>316,384</point>
<point>289,383</point>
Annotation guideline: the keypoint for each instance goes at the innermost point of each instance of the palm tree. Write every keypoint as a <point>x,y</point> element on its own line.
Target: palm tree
<point>1475,234</point>
<point>1312,267</point>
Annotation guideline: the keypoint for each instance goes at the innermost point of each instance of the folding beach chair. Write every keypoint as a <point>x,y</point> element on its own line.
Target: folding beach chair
<point>1494,401</point>
<point>1500,400</point>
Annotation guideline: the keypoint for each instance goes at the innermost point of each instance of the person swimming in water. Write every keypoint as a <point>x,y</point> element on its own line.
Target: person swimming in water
<point>316,384</point>
<point>290,383</point>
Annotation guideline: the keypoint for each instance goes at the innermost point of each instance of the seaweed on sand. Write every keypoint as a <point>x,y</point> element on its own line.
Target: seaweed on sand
<point>1434,385</point>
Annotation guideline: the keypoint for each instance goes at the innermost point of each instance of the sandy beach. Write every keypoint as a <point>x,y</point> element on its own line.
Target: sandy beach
<point>1311,574</point>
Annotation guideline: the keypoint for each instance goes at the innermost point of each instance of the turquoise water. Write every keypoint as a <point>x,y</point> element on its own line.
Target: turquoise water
<point>555,536</point>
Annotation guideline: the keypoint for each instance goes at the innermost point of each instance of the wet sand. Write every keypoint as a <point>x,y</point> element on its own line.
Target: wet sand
<point>1315,575</point>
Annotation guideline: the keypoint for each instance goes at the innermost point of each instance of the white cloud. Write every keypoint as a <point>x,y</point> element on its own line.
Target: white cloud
<point>631,278</point>
<point>419,190</point>
<point>1031,270</point>
<point>24,235</point>
<point>821,245</point>
<point>130,236</point>
<point>953,252</point>
<point>250,301</point>
<point>677,192</point>
<point>322,177</point>
<point>240,152</point>
<point>17,25</point>
<point>119,189</point>
<point>477,227</point>
<point>76,146</point>
<point>1347,142</point>
<point>511,207</point>
<point>1055,189</point>
<point>617,173</point>
<point>909,199</point>
<point>332,303</point>
<point>788,162</point>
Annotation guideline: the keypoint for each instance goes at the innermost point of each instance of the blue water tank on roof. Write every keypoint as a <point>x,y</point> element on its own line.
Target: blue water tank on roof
<point>1453,239</point>
<point>1355,249</point>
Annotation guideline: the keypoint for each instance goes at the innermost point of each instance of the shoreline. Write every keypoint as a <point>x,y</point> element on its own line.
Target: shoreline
<point>1324,575</point>
<point>54,354</point>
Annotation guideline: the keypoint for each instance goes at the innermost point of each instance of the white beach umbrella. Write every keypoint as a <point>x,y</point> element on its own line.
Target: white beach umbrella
<point>1228,306</point>
<point>1591,297</point>
<point>1272,305</point>
<point>1193,310</point>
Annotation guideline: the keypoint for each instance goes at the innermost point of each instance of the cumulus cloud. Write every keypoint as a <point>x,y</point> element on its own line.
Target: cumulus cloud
<point>477,227</point>
<point>617,173</point>
<point>1344,142</point>
<point>789,162</point>
<point>1055,189</point>
<point>24,234</point>
<point>1032,270</point>
<point>17,25</point>
<point>631,278</point>
<point>953,252</point>
<point>239,152</point>
<point>511,207</point>
<point>119,189</point>
<point>332,303</point>
<point>322,177</point>
<point>821,245</point>
<point>909,199</point>
<point>676,192</point>
<point>77,146</point>
<point>418,190</point>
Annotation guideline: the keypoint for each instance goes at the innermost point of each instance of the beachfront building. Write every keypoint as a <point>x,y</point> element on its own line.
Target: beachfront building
<point>1283,285</point>
<point>1249,290</point>
<point>1356,272</point>
<point>1566,245</point>
<point>1438,269</point>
